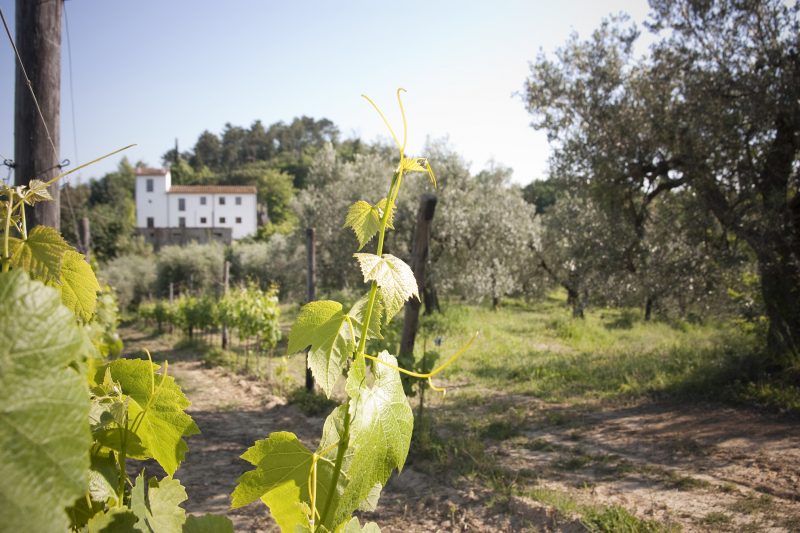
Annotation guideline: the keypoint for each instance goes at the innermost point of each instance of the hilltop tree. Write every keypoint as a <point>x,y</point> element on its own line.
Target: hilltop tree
<point>714,107</point>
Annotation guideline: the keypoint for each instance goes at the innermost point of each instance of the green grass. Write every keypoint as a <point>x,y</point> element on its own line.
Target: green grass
<point>599,518</point>
<point>311,404</point>
<point>538,349</point>
<point>716,520</point>
<point>687,483</point>
<point>753,504</point>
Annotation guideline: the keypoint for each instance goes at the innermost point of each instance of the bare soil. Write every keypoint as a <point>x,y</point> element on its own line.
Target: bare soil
<point>692,467</point>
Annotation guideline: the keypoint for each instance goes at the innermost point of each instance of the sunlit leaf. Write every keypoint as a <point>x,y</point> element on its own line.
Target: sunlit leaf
<point>280,479</point>
<point>365,220</point>
<point>44,408</point>
<point>79,286</point>
<point>323,326</point>
<point>380,434</point>
<point>164,424</point>
<point>156,504</point>
<point>353,526</point>
<point>41,254</point>
<point>396,282</point>
<point>36,192</point>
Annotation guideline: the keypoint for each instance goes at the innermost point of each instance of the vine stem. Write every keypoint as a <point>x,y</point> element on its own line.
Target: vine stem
<point>394,188</point>
<point>362,343</point>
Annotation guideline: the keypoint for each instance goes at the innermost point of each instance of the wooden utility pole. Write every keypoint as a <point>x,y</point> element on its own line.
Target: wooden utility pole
<point>419,256</point>
<point>311,293</point>
<point>38,27</point>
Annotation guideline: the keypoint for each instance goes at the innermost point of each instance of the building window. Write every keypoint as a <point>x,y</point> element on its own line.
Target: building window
<point>181,222</point>
<point>149,184</point>
<point>181,204</point>
<point>221,200</point>
<point>202,220</point>
<point>238,220</point>
<point>221,220</point>
<point>151,223</point>
<point>202,200</point>
<point>238,200</point>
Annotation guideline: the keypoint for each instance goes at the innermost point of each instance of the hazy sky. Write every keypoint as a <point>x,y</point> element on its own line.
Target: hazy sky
<point>151,71</point>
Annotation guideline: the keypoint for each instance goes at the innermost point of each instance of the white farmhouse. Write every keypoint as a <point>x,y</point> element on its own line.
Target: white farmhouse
<point>159,204</point>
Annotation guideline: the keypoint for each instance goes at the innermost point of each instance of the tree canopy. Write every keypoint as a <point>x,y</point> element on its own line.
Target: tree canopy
<point>713,108</point>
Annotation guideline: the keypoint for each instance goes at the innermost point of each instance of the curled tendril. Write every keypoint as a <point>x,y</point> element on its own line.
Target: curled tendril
<point>433,372</point>
<point>385,120</point>
<point>405,124</point>
<point>419,164</point>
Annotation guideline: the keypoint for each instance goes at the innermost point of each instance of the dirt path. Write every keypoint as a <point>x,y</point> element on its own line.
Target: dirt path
<point>701,468</point>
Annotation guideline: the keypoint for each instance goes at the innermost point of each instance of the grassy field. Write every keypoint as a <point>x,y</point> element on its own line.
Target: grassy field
<point>542,387</point>
<point>540,350</point>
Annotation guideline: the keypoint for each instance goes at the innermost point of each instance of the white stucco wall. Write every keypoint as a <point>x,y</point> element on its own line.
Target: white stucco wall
<point>216,215</point>
<point>152,204</point>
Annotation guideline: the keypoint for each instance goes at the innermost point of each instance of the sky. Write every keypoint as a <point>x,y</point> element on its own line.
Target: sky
<point>153,71</point>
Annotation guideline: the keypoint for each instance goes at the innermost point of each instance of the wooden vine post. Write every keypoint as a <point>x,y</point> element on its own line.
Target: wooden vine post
<point>419,257</point>
<point>226,274</point>
<point>311,293</point>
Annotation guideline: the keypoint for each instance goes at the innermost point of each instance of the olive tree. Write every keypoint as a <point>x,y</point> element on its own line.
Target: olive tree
<point>713,108</point>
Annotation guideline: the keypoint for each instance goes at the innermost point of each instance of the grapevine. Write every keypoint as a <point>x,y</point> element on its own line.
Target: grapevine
<point>365,439</point>
<point>70,419</point>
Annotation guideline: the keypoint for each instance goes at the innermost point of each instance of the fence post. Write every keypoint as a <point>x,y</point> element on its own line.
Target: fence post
<point>226,273</point>
<point>419,255</point>
<point>85,238</point>
<point>311,280</point>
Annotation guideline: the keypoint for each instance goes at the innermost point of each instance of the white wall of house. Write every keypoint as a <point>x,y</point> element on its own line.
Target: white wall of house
<point>152,204</point>
<point>161,207</point>
<point>219,211</point>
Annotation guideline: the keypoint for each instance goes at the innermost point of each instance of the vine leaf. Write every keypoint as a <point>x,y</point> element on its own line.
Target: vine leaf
<point>358,312</point>
<point>353,526</point>
<point>115,520</point>
<point>396,282</point>
<point>323,326</point>
<point>280,479</point>
<point>40,254</point>
<point>44,408</point>
<point>79,286</point>
<point>156,504</point>
<point>162,426</point>
<point>36,192</point>
<point>365,220</point>
<point>380,434</point>
<point>210,523</point>
<point>419,164</point>
<point>103,480</point>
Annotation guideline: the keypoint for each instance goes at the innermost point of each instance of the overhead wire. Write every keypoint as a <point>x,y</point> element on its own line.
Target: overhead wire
<point>84,245</point>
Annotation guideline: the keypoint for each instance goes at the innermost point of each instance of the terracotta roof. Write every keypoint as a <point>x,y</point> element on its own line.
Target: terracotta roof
<point>151,171</point>
<point>212,189</point>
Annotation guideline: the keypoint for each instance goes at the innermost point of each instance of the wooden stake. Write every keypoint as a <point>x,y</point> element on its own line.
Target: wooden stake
<point>311,275</point>
<point>419,256</point>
